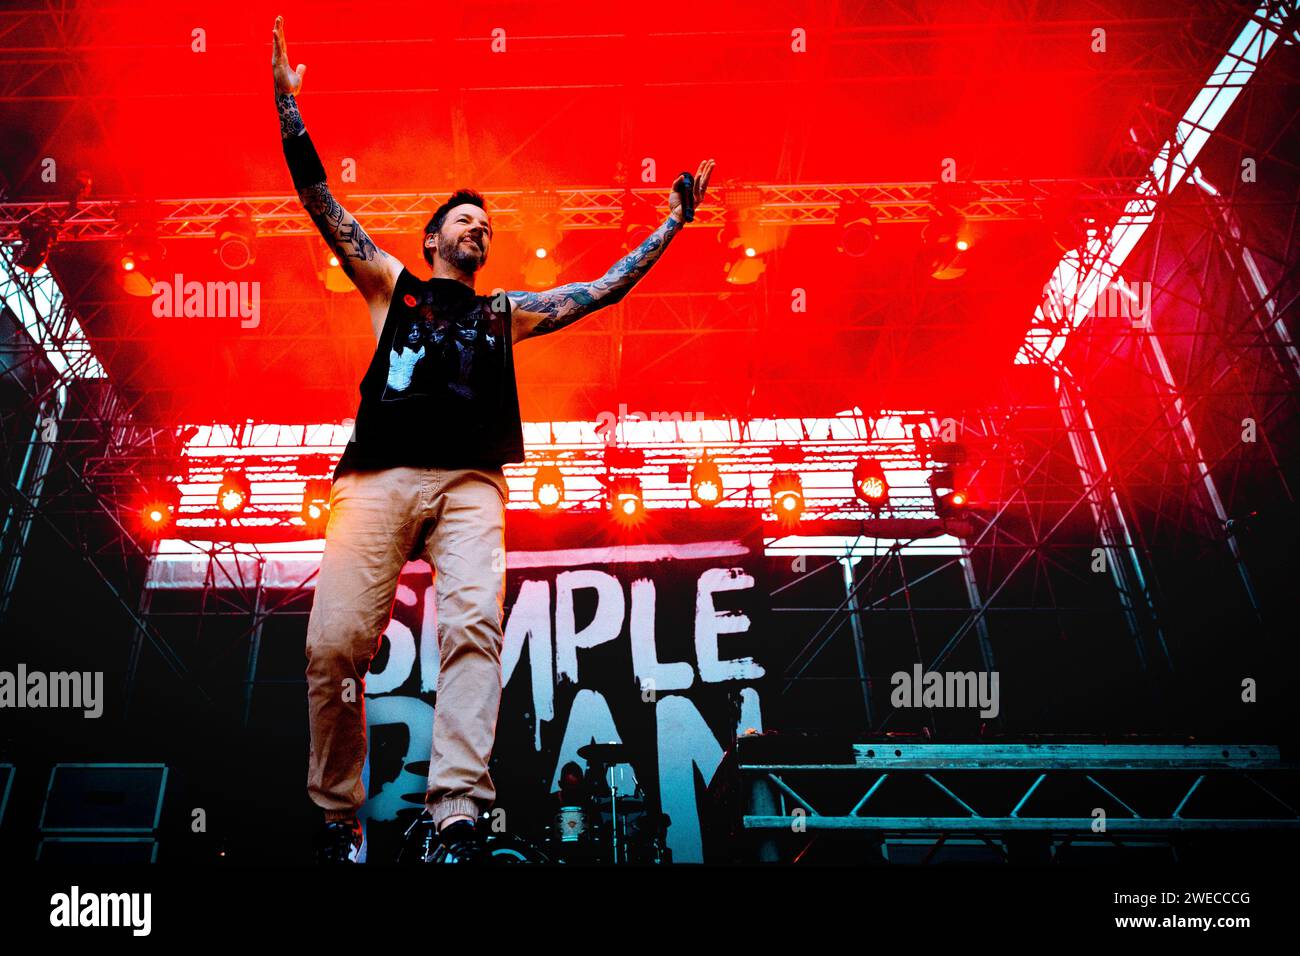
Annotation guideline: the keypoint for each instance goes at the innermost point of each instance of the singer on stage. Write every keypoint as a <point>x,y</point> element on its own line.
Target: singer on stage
<point>422,476</point>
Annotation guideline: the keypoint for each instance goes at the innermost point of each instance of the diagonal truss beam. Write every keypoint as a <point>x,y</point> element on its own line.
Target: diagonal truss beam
<point>1082,274</point>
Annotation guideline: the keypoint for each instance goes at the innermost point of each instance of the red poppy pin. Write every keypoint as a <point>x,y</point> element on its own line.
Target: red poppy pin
<point>409,300</point>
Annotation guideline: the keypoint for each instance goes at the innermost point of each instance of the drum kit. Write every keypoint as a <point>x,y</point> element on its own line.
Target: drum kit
<point>600,817</point>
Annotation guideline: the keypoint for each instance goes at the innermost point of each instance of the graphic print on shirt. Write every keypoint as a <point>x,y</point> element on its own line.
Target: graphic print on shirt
<point>441,353</point>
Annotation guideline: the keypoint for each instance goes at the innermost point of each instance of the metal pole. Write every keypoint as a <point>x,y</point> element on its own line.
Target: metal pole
<point>255,641</point>
<point>977,605</point>
<point>31,479</point>
<point>1122,560</point>
<point>1263,301</point>
<point>1192,451</point>
<point>859,637</point>
<point>138,635</point>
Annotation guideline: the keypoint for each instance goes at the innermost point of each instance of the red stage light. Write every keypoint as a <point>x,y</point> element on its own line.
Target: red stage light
<point>158,508</point>
<point>316,505</point>
<point>626,502</point>
<point>139,257</point>
<point>786,490</point>
<point>706,482</point>
<point>155,517</point>
<point>548,487</point>
<point>857,224</point>
<point>869,482</point>
<point>951,504</point>
<point>235,237</point>
<point>233,495</point>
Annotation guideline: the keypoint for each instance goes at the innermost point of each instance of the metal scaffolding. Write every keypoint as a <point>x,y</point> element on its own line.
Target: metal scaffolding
<point>1068,795</point>
<point>1104,459</point>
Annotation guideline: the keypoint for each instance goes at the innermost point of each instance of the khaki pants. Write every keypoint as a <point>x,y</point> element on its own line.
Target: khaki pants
<point>455,519</point>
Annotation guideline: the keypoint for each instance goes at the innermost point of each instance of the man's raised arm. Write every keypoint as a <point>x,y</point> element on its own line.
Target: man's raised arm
<point>373,271</point>
<point>538,313</point>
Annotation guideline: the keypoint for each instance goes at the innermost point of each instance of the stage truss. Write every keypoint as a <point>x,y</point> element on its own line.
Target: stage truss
<point>1062,465</point>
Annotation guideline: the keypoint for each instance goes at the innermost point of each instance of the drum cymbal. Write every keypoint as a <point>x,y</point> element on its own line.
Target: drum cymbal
<point>602,803</point>
<point>605,753</point>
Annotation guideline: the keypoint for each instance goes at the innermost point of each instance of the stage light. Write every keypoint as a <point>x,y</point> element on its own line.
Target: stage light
<point>640,218</point>
<point>38,233</point>
<point>235,235</point>
<point>541,273</point>
<point>786,490</point>
<point>158,508</point>
<point>857,224</point>
<point>869,482</point>
<point>233,495</point>
<point>706,482</point>
<point>949,499</point>
<point>316,505</point>
<point>156,516</point>
<point>138,258</point>
<point>745,270</point>
<point>743,232</point>
<point>548,487</point>
<point>539,235</point>
<point>331,273</point>
<point>942,243</point>
<point>626,502</point>
<point>951,504</point>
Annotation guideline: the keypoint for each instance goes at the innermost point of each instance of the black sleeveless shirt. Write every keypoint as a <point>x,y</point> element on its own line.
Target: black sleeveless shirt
<point>440,389</point>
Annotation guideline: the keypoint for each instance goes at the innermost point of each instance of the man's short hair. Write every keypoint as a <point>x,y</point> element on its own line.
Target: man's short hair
<point>458,198</point>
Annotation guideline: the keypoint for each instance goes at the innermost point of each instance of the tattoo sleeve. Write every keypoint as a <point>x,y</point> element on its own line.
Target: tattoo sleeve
<point>290,119</point>
<point>342,232</point>
<point>567,304</point>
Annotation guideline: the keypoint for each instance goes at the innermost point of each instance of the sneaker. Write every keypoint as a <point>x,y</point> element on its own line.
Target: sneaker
<point>339,841</point>
<point>460,842</point>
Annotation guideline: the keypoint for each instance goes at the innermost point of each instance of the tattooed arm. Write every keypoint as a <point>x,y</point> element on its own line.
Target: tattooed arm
<point>537,313</point>
<point>373,271</point>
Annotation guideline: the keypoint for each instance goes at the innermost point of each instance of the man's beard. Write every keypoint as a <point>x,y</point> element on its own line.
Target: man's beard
<point>464,256</point>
